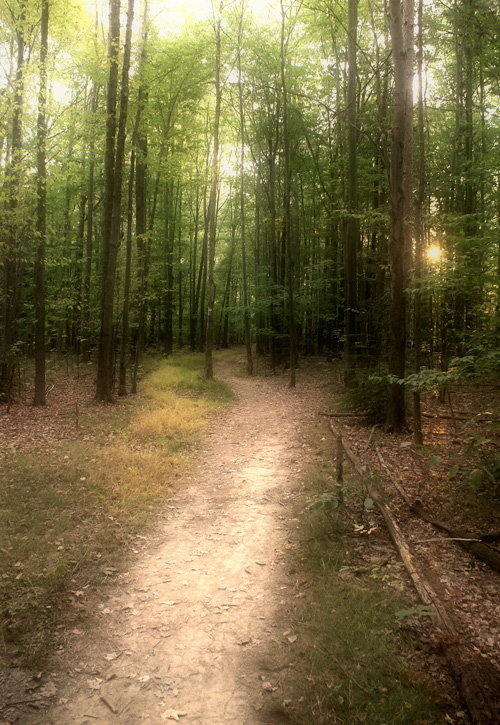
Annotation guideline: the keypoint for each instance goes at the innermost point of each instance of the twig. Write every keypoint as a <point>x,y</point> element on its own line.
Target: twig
<point>108,704</point>
<point>396,485</point>
<point>370,437</point>
<point>340,415</point>
<point>452,411</point>
<point>451,538</point>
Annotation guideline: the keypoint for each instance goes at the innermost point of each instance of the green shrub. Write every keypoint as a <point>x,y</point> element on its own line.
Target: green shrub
<point>370,396</point>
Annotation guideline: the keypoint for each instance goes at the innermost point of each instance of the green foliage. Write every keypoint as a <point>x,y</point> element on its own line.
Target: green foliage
<point>484,481</point>
<point>432,462</point>
<point>418,611</point>
<point>328,502</point>
<point>481,364</point>
<point>370,396</point>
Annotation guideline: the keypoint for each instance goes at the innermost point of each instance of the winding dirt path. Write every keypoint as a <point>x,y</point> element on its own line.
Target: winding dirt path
<point>179,636</point>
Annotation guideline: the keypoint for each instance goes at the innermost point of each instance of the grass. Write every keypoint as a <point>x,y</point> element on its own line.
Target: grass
<point>347,665</point>
<point>69,512</point>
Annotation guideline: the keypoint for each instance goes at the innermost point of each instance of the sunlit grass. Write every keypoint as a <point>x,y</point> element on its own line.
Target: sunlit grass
<point>173,418</point>
<point>185,376</point>
<point>69,512</point>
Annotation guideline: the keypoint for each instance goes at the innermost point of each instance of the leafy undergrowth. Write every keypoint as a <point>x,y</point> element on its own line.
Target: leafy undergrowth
<point>70,508</point>
<point>364,647</point>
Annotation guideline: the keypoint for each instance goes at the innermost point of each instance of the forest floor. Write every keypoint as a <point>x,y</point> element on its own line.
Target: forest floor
<point>202,626</point>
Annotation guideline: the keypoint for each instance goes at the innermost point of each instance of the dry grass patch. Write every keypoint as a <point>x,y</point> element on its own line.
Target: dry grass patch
<point>69,510</point>
<point>173,418</point>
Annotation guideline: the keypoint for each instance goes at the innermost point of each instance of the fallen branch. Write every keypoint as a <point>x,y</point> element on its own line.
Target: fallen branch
<point>340,415</point>
<point>476,417</point>
<point>477,679</point>
<point>395,483</point>
<point>440,538</point>
<point>471,542</point>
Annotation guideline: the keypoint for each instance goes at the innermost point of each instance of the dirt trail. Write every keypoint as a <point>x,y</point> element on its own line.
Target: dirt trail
<point>179,636</point>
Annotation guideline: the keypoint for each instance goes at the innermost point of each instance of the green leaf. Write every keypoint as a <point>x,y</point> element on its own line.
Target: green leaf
<point>432,462</point>
<point>453,471</point>
<point>419,610</point>
<point>476,477</point>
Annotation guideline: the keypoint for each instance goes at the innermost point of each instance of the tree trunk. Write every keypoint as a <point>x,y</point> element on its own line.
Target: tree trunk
<point>351,232</point>
<point>419,231</point>
<point>111,240</point>
<point>41,226</point>
<point>396,413</point>
<point>193,302</point>
<point>289,246</point>
<point>212,207</point>
<point>246,313</point>
<point>104,371</point>
<point>11,265</point>
<point>169,238</point>
<point>87,275</point>
<point>122,376</point>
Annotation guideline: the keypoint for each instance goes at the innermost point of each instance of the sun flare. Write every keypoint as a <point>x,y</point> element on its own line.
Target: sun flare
<point>434,253</point>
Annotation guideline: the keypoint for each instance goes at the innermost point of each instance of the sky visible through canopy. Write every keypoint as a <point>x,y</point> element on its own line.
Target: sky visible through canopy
<point>170,16</point>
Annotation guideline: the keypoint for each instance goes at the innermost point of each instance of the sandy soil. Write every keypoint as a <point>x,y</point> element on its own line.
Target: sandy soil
<point>178,638</point>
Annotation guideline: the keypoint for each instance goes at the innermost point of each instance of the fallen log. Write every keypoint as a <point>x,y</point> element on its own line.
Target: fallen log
<point>476,417</point>
<point>395,483</point>
<point>340,415</point>
<point>478,680</point>
<point>473,543</point>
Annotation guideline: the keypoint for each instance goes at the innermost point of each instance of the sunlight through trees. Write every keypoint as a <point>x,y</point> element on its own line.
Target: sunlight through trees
<point>286,204</point>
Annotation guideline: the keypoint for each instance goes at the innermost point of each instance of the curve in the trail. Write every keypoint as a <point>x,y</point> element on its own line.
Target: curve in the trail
<point>178,636</point>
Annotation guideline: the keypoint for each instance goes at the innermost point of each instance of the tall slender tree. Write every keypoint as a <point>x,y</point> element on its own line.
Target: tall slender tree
<point>289,246</point>
<point>41,222</point>
<point>111,239</point>
<point>246,312</point>
<point>11,252</point>
<point>351,231</point>
<point>212,206</point>
<point>401,11</point>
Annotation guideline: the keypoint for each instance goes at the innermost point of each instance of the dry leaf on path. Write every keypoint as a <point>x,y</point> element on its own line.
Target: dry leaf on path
<point>172,715</point>
<point>268,687</point>
<point>95,684</point>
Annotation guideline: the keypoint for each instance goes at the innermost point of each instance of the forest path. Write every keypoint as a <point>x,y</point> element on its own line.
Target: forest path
<point>179,636</point>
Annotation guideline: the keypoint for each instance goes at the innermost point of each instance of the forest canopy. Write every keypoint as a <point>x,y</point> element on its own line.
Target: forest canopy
<point>314,177</point>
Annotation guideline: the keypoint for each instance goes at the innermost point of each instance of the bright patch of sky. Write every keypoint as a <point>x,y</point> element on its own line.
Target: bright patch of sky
<point>171,16</point>
<point>178,14</point>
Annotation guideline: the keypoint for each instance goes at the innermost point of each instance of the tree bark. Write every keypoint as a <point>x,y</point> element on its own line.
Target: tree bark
<point>41,226</point>
<point>212,207</point>
<point>11,265</point>
<point>419,232</point>
<point>396,413</point>
<point>141,229</point>
<point>351,232</point>
<point>104,363</point>
<point>246,313</point>
<point>122,375</point>
<point>289,246</point>
<point>111,241</point>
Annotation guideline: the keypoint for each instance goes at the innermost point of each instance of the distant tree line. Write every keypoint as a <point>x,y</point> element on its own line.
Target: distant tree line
<point>325,182</point>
